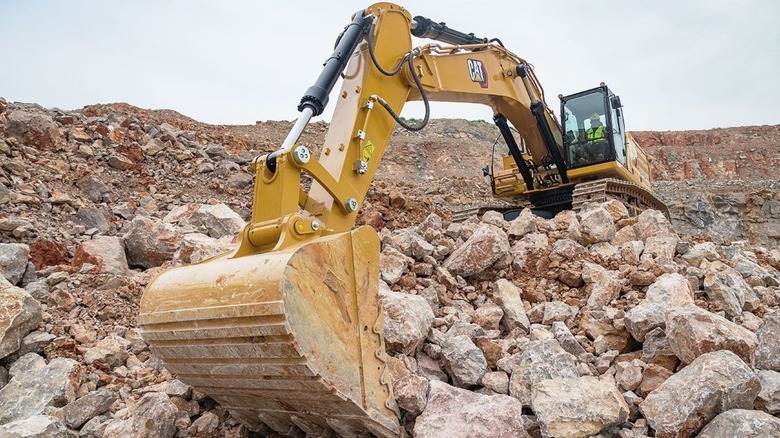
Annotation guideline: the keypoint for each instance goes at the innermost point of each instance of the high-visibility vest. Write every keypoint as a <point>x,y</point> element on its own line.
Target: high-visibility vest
<point>595,134</point>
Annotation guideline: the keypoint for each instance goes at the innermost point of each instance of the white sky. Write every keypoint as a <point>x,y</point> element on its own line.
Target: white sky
<point>693,64</point>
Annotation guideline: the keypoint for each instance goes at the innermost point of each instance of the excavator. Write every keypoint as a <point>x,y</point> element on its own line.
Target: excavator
<point>285,331</point>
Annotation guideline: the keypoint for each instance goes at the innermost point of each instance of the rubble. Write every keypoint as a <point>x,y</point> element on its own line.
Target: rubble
<point>482,319</point>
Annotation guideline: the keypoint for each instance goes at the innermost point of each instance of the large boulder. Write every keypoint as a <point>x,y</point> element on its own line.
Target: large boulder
<point>768,399</point>
<point>577,407</point>
<point>33,126</point>
<point>487,245</point>
<point>91,405</point>
<point>464,361</point>
<point>540,361</point>
<point>36,426</point>
<point>13,261</point>
<point>457,413</point>
<point>153,416</point>
<point>149,243</point>
<point>111,351</point>
<point>105,252</point>
<point>742,423</point>
<point>523,224</point>
<point>597,225</point>
<point>407,320</point>
<point>668,292</point>
<point>768,349</point>
<point>36,386</point>
<point>693,331</point>
<point>725,287</point>
<point>713,383</point>
<point>20,313</point>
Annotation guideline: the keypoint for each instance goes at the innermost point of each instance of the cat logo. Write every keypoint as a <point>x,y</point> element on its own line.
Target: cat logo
<point>477,72</point>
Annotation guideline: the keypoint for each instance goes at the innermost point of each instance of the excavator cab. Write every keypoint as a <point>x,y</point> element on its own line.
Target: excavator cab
<point>593,128</point>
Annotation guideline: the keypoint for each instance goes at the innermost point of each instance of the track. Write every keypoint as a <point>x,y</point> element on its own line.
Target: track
<point>635,198</point>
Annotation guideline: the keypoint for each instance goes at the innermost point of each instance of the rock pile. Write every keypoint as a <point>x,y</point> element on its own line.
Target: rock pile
<point>595,324</point>
<point>587,324</point>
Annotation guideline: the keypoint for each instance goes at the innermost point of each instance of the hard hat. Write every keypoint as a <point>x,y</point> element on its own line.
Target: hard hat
<point>595,116</point>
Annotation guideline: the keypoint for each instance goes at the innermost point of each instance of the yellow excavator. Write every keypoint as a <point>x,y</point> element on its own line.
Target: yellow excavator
<point>286,332</point>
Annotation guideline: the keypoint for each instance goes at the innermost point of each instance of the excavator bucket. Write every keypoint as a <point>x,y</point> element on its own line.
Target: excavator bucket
<point>291,339</point>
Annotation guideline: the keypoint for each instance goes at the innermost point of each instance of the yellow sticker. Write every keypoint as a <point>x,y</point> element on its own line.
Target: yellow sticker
<point>368,151</point>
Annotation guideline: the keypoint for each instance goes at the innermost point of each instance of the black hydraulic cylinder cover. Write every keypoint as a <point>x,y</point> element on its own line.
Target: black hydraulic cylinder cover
<point>427,28</point>
<point>316,96</point>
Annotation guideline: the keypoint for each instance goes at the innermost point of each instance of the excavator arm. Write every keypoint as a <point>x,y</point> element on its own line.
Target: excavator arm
<point>383,73</point>
<point>286,331</point>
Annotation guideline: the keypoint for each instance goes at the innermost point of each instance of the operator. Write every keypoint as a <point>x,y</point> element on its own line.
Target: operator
<point>595,149</point>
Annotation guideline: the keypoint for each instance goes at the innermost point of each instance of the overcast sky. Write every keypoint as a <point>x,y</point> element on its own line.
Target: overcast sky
<point>676,64</point>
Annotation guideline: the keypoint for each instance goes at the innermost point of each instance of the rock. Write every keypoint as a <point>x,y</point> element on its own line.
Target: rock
<point>558,311</point>
<point>120,162</point>
<point>742,423</point>
<point>668,292</point>
<point>652,222</point>
<point>713,383</point>
<point>616,209</point>
<point>509,298</point>
<point>35,342</point>
<point>768,399</point>
<point>628,375</point>
<point>20,313</point>
<point>205,425</point>
<point>768,350</point>
<point>196,247</point>
<point>496,381</point>
<point>33,126</point>
<point>93,404</point>
<point>13,261</point>
<point>603,285</point>
<point>597,225</point>
<point>693,331</point>
<point>110,351</point>
<point>150,243</point>
<point>540,361</point>
<point>653,376</point>
<point>95,427</point>
<point>39,386</point>
<point>488,316</point>
<point>153,416</point>
<point>94,218</point>
<point>216,220</point>
<point>457,413</point>
<point>577,407</point>
<point>725,287</point>
<point>36,426</point>
<point>105,252</point>
<point>566,249</point>
<point>657,350</point>
<point>702,251</point>
<point>463,360</point>
<point>410,243</point>
<point>407,320</point>
<point>566,339</point>
<point>523,248</point>
<point>393,264</point>
<point>487,245</point>
<point>411,393</point>
<point>523,224</point>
